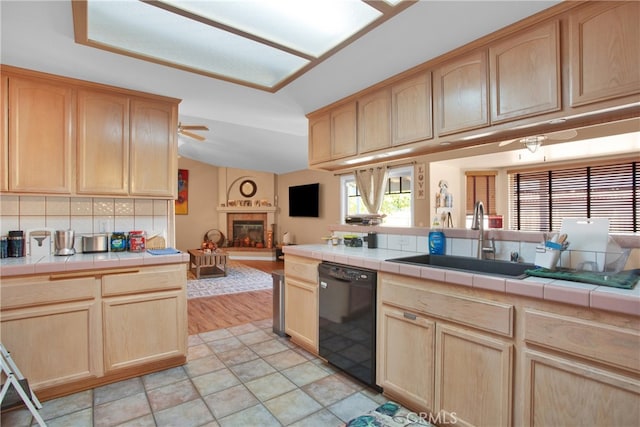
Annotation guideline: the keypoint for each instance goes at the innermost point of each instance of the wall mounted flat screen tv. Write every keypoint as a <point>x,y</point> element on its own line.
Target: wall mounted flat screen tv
<point>304,200</point>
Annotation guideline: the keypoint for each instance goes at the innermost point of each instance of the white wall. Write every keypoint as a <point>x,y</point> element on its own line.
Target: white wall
<point>203,200</point>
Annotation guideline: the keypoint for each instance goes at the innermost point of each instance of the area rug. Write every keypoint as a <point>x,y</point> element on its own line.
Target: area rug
<point>239,278</point>
<point>391,414</point>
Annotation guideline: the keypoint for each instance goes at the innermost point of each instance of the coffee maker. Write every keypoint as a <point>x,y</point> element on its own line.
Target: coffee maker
<point>64,241</point>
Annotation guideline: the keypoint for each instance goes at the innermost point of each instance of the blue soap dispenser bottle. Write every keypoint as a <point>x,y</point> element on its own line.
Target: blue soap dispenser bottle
<point>437,239</point>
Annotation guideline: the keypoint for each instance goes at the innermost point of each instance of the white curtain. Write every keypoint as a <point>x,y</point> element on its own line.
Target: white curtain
<point>371,185</point>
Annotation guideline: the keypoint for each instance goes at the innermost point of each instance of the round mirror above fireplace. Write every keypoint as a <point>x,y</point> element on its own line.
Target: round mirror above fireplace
<point>248,188</point>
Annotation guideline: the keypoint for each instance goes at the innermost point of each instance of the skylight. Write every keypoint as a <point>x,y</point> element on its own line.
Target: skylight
<point>258,43</point>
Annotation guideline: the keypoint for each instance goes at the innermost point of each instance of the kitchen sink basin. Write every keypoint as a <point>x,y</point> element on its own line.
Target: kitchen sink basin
<point>472,265</point>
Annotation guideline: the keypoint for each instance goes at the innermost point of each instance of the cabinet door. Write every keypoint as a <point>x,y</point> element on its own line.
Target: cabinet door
<point>411,119</point>
<point>560,392</point>
<point>604,51</point>
<point>374,121</point>
<point>54,344</point>
<point>525,74</point>
<point>301,312</point>
<point>4,135</point>
<point>154,151</point>
<point>406,356</point>
<point>103,143</point>
<point>41,118</point>
<point>461,90</point>
<point>139,329</point>
<point>473,377</point>
<point>320,139</point>
<point>343,131</point>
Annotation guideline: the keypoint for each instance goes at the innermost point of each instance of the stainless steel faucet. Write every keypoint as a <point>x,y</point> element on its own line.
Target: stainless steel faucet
<point>478,224</point>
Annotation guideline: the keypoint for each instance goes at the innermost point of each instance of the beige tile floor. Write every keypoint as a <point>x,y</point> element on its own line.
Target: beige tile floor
<point>240,376</point>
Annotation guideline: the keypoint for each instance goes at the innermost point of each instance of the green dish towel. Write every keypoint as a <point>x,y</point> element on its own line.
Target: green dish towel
<point>625,279</point>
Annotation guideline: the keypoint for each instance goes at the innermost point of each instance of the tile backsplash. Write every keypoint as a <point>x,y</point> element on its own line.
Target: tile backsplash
<point>453,246</point>
<point>84,215</point>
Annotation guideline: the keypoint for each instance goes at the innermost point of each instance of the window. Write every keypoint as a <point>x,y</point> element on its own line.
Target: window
<point>538,200</point>
<point>481,185</point>
<point>397,204</point>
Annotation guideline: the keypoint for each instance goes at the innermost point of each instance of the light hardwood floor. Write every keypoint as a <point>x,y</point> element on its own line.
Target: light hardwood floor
<point>208,314</point>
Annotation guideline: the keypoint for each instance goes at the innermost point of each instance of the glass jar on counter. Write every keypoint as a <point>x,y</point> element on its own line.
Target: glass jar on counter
<point>15,244</point>
<point>118,241</point>
<point>136,241</point>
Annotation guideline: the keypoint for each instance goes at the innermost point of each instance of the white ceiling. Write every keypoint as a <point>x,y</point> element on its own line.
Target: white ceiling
<point>250,128</point>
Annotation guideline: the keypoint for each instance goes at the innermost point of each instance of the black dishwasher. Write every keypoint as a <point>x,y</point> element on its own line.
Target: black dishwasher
<point>348,319</point>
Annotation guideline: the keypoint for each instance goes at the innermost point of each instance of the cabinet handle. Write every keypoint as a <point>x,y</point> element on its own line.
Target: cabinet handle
<point>410,316</point>
<point>80,275</point>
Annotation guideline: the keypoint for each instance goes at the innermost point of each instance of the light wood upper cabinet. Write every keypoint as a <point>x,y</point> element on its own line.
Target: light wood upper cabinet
<point>4,136</point>
<point>41,120</point>
<point>405,357</point>
<point>604,51</point>
<point>374,121</point>
<point>344,142</point>
<point>103,143</point>
<point>461,93</point>
<point>320,139</point>
<point>525,73</point>
<point>411,111</point>
<point>153,150</point>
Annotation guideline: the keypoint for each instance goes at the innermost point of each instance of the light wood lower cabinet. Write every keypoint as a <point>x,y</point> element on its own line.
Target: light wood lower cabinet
<point>158,317</point>
<point>473,377</point>
<point>405,358</point>
<point>301,305</point>
<point>54,335</point>
<point>479,358</point>
<point>429,359</point>
<point>301,312</point>
<point>72,331</point>
<point>563,392</point>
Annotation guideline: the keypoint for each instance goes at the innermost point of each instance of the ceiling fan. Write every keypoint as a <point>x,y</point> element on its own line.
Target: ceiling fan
<point>533,142</point>
<point>186,131</point>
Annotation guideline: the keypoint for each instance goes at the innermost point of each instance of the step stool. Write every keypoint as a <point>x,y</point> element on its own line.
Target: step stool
<point>10,397</point>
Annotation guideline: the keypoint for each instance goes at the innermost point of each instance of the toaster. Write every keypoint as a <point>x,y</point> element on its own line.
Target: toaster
<point>354,242</point>
<point>95,243</point>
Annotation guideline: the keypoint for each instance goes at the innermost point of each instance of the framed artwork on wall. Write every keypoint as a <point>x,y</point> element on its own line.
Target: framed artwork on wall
<point>182,203</point>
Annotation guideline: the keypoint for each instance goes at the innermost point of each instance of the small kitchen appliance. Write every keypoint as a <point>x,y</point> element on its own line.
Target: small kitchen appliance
<point>40,242</point>
<point>95,243</point>
<point>64,242</point>
<point>15,246</point>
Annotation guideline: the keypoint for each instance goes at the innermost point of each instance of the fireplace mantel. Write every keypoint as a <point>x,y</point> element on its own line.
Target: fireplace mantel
<point>224,214</point>
<point>251,209</point>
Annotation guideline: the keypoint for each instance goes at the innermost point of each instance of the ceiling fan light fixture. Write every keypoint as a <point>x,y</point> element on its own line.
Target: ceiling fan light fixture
<point>533,142</point>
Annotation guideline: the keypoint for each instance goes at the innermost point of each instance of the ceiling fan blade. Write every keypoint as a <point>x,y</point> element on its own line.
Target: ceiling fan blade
<point>562,134</point>
<point>192,135</point>
<point>503,143</point>
<point>194,127</point>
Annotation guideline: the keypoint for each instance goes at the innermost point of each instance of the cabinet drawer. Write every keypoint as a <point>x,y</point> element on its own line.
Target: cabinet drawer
<point>303,268</point>
<point>596,341</point>
<point>41,290</point>
<point>146,280</point>
<point>486,315</point>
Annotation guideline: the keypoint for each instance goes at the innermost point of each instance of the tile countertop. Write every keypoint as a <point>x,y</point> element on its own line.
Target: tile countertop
<point>626,301</point>
<point>55,264</point>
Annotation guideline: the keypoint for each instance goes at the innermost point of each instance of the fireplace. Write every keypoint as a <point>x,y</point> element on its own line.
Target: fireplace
<point>247,230</point>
